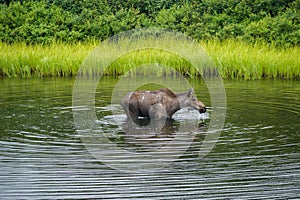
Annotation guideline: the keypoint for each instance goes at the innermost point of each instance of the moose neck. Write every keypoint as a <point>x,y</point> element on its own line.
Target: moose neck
<point>181,98</point>
<point>177,103</point>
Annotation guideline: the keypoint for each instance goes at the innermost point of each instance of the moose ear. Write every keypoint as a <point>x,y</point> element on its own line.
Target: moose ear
<point>191,92</point>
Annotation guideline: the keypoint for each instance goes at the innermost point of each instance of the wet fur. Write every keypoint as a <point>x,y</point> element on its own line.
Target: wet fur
<point>158,104</point>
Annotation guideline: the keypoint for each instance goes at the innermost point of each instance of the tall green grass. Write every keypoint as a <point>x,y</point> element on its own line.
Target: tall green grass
<point>151,62</point>
<point>57,59</point>
<point>240,60</point>
<point>233,60</point>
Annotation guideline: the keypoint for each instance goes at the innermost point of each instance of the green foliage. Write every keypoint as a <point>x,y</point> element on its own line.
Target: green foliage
<point>67,21</point>
<point>35,23</point>
<point>148,7</point>
<point>276,22</point>
<point>272,21</point>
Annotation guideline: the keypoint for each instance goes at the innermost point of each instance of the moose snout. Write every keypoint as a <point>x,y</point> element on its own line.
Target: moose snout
<point>202,110</point>
<point>201,107</point>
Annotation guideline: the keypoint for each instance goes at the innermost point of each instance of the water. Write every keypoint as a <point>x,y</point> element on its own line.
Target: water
<point>256,157</point>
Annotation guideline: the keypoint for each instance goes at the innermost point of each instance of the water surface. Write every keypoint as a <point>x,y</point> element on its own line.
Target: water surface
<point>256,157</point>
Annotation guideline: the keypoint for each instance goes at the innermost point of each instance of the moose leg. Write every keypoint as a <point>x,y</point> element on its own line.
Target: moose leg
<point>133,115</point>
<point>157,112</point>
<point>130,111</point>
<point>130,106</point>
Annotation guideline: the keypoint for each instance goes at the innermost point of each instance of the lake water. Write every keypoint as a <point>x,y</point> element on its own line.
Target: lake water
<point>256,155</point>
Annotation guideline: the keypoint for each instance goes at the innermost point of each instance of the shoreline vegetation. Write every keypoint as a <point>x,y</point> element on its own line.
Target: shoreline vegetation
<point>233,59</point>
<point>245,39</point>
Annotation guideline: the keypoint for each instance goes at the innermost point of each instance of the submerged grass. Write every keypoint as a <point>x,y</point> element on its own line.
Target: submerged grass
<point>233,60</point>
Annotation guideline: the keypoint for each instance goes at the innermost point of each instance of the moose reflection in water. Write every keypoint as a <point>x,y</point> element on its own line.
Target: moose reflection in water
<point>146,134</point>
<point>159,104</point>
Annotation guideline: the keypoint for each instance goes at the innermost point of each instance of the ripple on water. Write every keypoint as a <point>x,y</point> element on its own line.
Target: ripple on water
<point>42,156</point>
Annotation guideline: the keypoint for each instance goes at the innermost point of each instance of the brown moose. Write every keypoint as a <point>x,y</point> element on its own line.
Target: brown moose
<point>159,104</point>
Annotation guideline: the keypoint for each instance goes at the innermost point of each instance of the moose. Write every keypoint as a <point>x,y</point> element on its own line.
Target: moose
<point>159,104</point>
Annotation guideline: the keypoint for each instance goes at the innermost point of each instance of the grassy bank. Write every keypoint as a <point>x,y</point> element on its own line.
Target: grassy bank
<point>233,60</point>
<point>240,60</point>
<point>56,59</point>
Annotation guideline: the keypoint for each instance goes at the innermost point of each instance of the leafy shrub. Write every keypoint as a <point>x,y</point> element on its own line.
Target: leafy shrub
<point>45,21</point>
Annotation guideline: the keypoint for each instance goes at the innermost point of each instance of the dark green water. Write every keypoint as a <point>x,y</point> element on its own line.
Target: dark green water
<point>256,156</point>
